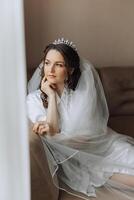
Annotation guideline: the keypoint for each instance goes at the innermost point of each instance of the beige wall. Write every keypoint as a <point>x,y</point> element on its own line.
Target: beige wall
<point>102,29</point>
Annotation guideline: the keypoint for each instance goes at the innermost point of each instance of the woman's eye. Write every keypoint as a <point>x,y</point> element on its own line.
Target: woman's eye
<point>59,65</point>
<point>46,63</point>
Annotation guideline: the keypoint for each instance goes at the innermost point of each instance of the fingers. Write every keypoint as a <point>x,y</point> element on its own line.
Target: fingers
<point>36,125</point>
<point>41,128</point>
<point>47,83</point>
<point>53,86</point>
<point>44,129</point>
<point>48,87</point>
<point>44,85</point>
<point>44,79</point>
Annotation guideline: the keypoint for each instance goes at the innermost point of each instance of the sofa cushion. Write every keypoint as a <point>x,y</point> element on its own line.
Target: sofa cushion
<point>102,193</point>
<point>118,84</point>
<point>122,124</point>
<point>42,186</point>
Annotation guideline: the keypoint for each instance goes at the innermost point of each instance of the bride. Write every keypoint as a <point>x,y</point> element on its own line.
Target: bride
<point>67,107</point>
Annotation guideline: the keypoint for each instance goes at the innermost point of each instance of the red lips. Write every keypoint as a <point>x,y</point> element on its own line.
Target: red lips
<point>51,76</point>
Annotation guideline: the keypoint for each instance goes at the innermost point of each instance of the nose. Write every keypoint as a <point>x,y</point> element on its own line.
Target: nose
<point>52,68</point>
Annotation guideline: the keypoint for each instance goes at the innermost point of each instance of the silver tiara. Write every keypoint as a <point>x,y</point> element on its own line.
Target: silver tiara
<point>63,41</point>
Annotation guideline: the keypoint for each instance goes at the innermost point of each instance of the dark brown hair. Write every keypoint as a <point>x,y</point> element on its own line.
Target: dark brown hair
<point>72,61</point>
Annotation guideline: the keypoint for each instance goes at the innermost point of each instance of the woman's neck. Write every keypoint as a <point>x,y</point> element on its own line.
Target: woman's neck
<point>59,89</point>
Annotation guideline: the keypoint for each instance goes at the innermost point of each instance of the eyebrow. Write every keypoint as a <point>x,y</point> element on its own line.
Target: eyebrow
<point>56,61</point>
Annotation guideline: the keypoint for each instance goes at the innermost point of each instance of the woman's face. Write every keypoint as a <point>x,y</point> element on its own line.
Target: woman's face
<point>54,67</point>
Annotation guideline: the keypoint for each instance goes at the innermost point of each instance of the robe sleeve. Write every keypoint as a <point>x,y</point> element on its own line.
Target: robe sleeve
<point>35,109</point>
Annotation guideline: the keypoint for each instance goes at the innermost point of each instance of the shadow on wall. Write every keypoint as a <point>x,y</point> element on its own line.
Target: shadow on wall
<point>102,30</point>
<point>35,30</point>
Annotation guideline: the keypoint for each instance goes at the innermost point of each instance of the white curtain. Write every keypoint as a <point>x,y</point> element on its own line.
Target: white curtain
<point>14,157</point>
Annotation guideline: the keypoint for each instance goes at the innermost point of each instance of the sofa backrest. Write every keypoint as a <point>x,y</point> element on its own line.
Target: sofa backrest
<point>118,84</point>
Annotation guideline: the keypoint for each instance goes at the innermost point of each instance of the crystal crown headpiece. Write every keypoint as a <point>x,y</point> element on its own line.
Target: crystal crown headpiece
<point>67,42</point>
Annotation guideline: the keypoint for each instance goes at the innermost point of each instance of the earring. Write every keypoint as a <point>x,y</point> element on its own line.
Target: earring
<point>72,71</point>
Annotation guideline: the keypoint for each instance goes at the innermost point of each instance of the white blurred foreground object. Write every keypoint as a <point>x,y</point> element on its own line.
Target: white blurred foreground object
<point>14,159</point>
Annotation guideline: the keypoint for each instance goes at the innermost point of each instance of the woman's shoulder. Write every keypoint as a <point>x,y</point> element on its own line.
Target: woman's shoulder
<point>35,108</point>
<point>35,95</point>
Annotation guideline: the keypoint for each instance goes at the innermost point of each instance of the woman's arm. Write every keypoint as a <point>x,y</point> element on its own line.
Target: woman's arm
<point>52,115</point>
<point>51,124</point>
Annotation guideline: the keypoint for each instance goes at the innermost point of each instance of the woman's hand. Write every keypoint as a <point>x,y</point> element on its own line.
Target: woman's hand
<point>48,88</point>
<point>41,127</point>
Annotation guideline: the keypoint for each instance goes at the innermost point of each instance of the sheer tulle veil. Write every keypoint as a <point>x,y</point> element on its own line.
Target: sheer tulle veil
<point>87,153</point>
<point>87,101</point>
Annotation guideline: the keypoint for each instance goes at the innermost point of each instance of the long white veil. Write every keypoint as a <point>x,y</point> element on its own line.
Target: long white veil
<point>87,101</point>
<point>34,82</point>
<point>87,153</point>
<point>87,110</point>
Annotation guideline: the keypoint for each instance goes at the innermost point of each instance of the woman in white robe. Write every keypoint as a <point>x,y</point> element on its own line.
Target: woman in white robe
<point>70,114</point>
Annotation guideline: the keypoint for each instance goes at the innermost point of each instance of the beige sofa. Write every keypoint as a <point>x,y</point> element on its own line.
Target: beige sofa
<point>118,84</point>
